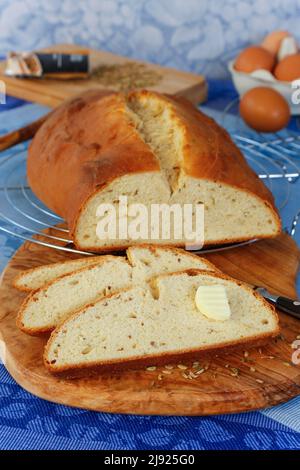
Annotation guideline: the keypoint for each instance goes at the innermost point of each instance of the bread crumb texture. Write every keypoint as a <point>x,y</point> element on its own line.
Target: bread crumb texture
<point>168,323</point>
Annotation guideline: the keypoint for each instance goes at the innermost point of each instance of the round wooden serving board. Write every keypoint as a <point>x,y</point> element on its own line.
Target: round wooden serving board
<point>230,383</point>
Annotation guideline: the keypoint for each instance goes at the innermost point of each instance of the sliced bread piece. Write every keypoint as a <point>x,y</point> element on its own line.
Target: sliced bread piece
<point>35,278</point>
<point>45,308</point>
<point>152,260</point>
<point>160,323</point>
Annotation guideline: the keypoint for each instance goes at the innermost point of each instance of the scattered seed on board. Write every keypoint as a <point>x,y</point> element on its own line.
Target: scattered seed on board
<point>246,354</point>
<point>182,366</point>
<point>252,369</point>
<point>298,337</point>
<point>200,371</point>
<point>195,365</point>
<point>185,375</point>
<point>169,367</point>
<point>167,372</point>
<point>151,368</point>
<point>160,377</point>
<point>259,381</point>
<point>192,375</point>
<point>234,371</point>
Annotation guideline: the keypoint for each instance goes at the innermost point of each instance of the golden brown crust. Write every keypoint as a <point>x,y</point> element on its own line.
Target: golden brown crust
<point>162,358</point>
<point>83,145</point>
<point>89,142</point>
<point>209,152</point>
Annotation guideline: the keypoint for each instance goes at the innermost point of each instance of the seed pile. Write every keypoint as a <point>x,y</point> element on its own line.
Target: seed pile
<point>126,77</point>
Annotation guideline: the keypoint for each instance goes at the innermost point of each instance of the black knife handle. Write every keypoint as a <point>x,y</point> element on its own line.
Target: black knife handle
<point>292,307</point>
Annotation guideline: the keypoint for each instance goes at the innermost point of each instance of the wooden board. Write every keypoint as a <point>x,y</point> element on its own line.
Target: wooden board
<point>265,377</point>
<point>52,92</point>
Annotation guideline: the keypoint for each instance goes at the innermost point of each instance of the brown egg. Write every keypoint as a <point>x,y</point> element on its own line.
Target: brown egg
<point>273,40</point>
<point>254,58</point>
<point>264,109</point>
<point>288,69</point>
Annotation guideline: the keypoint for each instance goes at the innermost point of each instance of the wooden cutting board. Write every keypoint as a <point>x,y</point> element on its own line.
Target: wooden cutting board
<point>52,92</point>
<point>234,382</point>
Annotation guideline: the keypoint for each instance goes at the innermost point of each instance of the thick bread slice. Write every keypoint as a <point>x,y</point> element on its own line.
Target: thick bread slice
<point>159,324</point>
<point>154,149</point>
<point>45,308</point>
<point>35,278</point>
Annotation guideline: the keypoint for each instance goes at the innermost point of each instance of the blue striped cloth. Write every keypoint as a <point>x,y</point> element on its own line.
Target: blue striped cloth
<point>27,422</point>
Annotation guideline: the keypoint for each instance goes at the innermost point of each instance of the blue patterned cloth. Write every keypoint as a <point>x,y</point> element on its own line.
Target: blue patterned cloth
<point>27,422</point>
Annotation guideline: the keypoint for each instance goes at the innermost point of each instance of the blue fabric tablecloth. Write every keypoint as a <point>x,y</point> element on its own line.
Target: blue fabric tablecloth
<point>27,422</point>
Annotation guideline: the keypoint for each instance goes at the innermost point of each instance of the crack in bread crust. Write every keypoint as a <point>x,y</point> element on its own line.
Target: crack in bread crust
<point>157,126</point>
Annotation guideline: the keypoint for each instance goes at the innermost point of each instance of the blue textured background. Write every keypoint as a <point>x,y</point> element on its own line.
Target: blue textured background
<point>189,34</point>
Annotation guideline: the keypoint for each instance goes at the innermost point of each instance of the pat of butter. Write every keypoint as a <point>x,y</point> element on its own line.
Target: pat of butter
<point>212,302</point>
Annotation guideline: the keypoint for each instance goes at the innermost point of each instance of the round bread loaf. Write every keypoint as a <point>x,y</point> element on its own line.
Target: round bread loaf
<point>152,148</point>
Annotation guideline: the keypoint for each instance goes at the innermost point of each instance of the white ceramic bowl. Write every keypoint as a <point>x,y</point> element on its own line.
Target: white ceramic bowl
<point>244,82</point>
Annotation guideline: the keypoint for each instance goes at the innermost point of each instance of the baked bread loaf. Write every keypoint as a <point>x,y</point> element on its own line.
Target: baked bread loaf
<point>151,148</point>
<point>45,308</point>
<point>159,324</point>
<point>35,278</point>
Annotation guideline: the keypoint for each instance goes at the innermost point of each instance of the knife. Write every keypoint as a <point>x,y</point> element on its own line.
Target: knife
<point>286,305</point>
<point>21,135</point>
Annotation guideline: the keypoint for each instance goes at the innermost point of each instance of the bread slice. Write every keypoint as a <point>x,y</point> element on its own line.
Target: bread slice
<point>153,149</point>
<point>45,308</point>
<point>159,323</point>
<point>35,278</point>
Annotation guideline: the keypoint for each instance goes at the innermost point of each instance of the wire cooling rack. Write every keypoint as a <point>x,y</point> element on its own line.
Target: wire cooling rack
<point>275,158</point>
